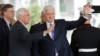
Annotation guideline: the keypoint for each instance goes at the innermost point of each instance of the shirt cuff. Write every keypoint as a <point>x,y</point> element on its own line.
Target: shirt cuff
<point>44,34</point>
<point>85,17</point>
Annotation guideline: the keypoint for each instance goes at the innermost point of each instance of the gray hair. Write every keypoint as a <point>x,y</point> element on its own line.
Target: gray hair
<point>48,7</point>
<point>20,12</point>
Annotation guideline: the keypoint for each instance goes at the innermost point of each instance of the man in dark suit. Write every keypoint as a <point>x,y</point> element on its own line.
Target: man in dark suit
<point>8,14</point>
<point>34,51</point>
<point>20,41</point>
<point>55,43</point>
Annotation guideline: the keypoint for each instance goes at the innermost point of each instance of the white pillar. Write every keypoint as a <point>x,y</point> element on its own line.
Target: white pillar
<point>6,1</point>
<point>57,9</point>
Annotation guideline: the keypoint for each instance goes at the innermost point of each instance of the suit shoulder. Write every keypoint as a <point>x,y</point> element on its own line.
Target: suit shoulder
<point>60,20</point>
<point>98,29</point>
<point>36,25</point>
<point>1,22</point>
<point>18,26</point>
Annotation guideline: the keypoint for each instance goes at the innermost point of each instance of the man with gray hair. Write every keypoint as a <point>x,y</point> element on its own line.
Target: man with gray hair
<point>20,40</point>
<point>55,43</point>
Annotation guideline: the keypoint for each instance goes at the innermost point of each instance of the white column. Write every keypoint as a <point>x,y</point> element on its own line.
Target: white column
<point>17,4</point>
<point>6,1</point>
<point>69,9</point>
<point>57,9</point>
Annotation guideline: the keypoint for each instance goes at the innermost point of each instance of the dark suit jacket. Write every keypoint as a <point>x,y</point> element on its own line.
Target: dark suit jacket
<point>34,49</point>
<point>46,47</point>
<point>21,41</point>
<point>4,36</point>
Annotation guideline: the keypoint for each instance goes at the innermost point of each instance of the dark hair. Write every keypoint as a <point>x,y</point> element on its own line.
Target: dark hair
<point>6,7</point>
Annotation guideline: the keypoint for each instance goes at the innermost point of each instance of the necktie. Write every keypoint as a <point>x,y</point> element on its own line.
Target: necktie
<point>52,33</point>
<point>10,26</point>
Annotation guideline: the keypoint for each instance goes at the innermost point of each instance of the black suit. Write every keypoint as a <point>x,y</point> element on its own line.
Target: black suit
<point>4,36</point>
<point>46,47</point>
<point>21,41</point>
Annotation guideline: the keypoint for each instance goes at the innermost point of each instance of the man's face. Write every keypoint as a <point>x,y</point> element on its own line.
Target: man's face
<point>9,13</point>
<point>50,15</point>
<point>26,17</point>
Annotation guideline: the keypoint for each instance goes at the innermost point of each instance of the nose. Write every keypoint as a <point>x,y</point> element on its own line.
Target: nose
<point>50,16</point>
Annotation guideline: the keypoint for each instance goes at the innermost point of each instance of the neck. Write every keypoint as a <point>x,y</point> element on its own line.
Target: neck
<point>87,22</point>
<point>50,21</point>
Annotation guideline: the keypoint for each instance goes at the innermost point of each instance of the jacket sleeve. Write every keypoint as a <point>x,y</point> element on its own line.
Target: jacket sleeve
<point>35,49</point>
<point>35,46</point>
<point>74,24</point>
<point>25,35</point>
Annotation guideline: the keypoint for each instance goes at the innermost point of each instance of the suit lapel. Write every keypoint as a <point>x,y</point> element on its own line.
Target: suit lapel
<point>56,35</point>
<point>56,30</point>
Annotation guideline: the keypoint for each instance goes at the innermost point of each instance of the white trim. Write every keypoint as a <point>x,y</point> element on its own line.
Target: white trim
<point>88,50</point>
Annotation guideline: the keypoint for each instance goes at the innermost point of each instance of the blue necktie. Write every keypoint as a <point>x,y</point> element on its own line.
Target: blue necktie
<point>52,33</point>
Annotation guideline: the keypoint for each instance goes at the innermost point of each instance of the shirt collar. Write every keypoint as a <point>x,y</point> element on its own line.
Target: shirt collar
<point>48,23</point>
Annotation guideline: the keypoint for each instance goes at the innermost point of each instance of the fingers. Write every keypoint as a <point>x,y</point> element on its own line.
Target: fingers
<point>49,29</point>
<point>87,8</point>
<point>88,5</point>
<point>52,27</point>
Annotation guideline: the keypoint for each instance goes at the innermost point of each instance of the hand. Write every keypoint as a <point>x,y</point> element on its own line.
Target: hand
<point>49,29</point>
<point>87,9</point>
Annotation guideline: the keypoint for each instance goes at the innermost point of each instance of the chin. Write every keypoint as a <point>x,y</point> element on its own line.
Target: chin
<point>50,21</point>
